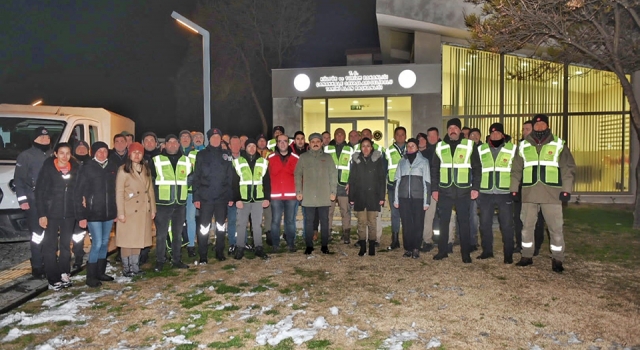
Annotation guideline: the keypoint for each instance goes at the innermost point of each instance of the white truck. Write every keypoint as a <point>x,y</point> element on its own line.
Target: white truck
<point>65,124</point>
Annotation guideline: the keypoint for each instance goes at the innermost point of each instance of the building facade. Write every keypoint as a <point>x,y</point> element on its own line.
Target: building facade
<point>429,75</point>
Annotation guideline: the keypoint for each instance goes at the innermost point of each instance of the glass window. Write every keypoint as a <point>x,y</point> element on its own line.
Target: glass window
<point>356,107</point>
<point>398,114</point>
<point>93,134</point>
<point>601,151</point>
<point>313,116</point>
<point>532,86</point>
<point>16,134</point>
<point>592,90</point>
<point>470,82</point>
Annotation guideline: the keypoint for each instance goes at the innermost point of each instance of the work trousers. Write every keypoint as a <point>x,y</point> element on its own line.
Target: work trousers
<point>487,204</point>
<point>207,212</point>
<point>255,211</point>
<point>367,222</point>
<point>37,235</point>
<point>323,217</point>
<point>288,208</point>
<point>553,216</point>
<point>395,213</point>
<point>538,233</point>
<point>473,223</point>
<point>430,215</point>
<point>345,212</point>
<point>176,214</point>
<point>412,216</point>
<point>268,217</point>
<point>57,236</point>
<point>445,207</point>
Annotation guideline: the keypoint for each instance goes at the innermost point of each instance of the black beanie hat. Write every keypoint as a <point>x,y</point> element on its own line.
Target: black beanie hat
<point>414,140</point>
<point>496,127</point>
<point>454,121</point>
<point>39,131</point>
<point>250,141</point>
<point>540,118</point>
<point>96,146</point>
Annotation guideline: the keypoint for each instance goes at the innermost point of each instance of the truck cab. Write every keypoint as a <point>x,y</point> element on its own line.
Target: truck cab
<point>65,124</point>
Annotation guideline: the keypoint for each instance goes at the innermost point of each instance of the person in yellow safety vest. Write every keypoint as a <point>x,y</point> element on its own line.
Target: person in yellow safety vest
<point>394,155</point>
<point>277,131</point>
<point>545,168</point>
<point>252,191</point>
<point>171,172</point>
<point>341,153</point>
<point>496,157</point>
<point>455,179</point>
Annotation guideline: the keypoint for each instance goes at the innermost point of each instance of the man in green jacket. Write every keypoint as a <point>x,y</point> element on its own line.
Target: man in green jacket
<point>316,185</point>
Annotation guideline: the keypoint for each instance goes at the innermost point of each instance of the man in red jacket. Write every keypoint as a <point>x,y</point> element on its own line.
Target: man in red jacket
<point>282,164</point>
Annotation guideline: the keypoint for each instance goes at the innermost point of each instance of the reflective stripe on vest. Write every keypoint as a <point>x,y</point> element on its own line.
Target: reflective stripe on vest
<point>343,163</point>
<point>496,173</point>
<point>249,179</point>
<point>459,164</point>
<point>543,167</point>
<point>393,159</point>
<point>172,185</point>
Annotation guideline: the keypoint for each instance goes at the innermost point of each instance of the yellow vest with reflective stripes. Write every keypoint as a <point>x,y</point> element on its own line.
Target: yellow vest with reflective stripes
<point>172,185</point>
<point>496,173</point>
<point>342,163</point>
<point>542,167</point>
<point>394,157</point>
<point>251,179</point>
<point>192,159</point>
<point>455,169</point>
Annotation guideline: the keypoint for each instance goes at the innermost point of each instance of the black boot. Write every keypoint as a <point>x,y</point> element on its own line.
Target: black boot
<point>92,272</point>
<point>372,247</point>
<point>363,247</point>
<point>325,250</point>
<point>268,240</point>
<point>260,253</point>
<point>239,253</point>
<point>525,262</point>
<point>426,247</point>
<point>441,255</point>
<point>346,236</point>
<point>144,255</point>
<point>191,251</point>
<point>395,241</point>
<point>556,266</point>
<point>102,268</point>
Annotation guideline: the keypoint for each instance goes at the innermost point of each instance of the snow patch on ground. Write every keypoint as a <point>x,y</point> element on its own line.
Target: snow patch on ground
<point>57,310</point>
<point>354,332</point>
<point>274,334</point>
<point>434,343</point>
<point>57,342</point>
<point>395,341</point>
<point>333,310</point>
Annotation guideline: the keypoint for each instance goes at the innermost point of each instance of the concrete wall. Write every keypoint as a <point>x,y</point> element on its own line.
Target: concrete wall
<point>427,108</point>
<point>287,114</point>
<point>449,13</point>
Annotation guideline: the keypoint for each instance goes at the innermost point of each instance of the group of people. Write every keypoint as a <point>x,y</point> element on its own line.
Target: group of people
<point>235,181</point>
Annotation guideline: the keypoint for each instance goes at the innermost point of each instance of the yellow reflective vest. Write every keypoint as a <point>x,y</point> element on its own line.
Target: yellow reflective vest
<point>542,167</point>
<point>394,156</point>
<point>342,163</point>
<point>456,168</point>
<point>172,184</point>
<point>251,186</point>
<point>496,173</point>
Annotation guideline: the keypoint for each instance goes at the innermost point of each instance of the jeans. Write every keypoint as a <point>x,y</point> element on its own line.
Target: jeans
<point>395,213</point>
<point>191,221</point>
<point>100,232</point>
<point>288,208</point>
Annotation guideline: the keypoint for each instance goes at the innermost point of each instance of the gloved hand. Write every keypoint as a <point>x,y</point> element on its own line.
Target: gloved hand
<point>515,196</point>
<point>565,196</point>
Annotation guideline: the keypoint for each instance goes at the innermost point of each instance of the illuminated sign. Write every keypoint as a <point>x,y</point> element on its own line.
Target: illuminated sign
<point>357,107</point>
<point>354,82</point>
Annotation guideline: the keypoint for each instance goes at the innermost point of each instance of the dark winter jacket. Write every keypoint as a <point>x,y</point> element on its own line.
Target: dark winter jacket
<point>55,192</point>
<point>148,156</point>
<point>28,167</point>
<point>213,175</point>
<point>119,160</point>
<point>98,187</point>
<point>367,181</point>
<point>454,191</point>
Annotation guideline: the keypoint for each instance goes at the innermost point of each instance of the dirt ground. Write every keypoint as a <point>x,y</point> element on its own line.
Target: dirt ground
<point>343,301</point>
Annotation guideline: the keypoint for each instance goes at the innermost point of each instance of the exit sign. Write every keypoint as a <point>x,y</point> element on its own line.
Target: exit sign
<point>356,107</point>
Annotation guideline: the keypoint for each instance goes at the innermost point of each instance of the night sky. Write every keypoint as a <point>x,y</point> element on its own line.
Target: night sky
<point>124,55</point>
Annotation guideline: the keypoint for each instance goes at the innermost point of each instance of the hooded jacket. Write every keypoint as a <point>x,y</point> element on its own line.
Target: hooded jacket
<point>367,181</point>
<point>413,180</point>
<point>97,185</point>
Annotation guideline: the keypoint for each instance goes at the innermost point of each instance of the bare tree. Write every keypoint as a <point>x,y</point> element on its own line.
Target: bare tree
<point>249,39</point>
<point>604,34</point>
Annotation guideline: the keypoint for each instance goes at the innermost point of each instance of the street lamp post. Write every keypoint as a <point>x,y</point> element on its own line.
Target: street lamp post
<point>206,64</point>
